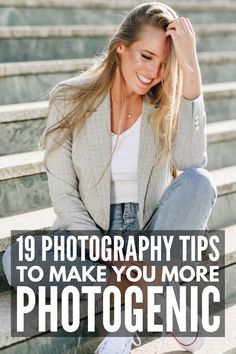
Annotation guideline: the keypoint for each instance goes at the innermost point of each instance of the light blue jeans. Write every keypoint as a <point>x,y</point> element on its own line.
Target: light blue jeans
<point>186,204</point>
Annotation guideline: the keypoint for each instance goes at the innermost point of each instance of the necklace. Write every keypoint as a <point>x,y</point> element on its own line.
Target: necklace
<point>130,115</point>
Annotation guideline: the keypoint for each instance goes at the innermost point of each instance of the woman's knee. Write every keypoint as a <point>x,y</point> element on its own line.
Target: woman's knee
<point>6,262</point>
<point>201,182</point>
<point>9,260</point>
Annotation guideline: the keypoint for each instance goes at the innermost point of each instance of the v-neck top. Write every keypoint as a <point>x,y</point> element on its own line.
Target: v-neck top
<point>124,165</point>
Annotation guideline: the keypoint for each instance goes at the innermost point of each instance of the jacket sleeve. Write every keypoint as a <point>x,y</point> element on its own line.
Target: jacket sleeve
<point>189,146</point>
<point>63,182</point>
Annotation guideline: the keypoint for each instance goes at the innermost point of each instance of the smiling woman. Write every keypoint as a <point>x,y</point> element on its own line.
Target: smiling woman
<point>135,63</point>
<point>117,134</point>
<point>141,69</point>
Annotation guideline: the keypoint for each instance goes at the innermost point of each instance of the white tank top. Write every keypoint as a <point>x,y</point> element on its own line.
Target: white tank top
<point>124,165</point>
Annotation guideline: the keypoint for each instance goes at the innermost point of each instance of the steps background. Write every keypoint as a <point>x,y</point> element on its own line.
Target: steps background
<point>43,42</point>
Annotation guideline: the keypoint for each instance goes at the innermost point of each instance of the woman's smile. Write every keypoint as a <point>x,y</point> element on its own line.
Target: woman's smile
<point>145,81</point>
<point>142,63</point>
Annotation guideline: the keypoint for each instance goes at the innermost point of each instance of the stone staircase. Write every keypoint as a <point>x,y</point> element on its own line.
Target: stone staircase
<point>45,41</point>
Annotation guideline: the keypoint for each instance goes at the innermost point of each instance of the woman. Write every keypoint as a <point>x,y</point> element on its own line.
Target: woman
<point>117,134</point>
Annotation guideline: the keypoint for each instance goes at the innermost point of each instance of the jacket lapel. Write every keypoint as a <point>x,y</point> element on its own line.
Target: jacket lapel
<point>147,151</point>
<point>100,147</point>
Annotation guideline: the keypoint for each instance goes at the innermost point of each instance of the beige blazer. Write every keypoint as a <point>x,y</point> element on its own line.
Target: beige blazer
<point>77,165</point>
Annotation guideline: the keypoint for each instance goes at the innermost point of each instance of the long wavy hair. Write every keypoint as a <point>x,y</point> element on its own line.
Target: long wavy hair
<point>79,99</point>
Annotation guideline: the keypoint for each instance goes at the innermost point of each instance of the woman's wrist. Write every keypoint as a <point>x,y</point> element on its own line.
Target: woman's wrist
<point>192,82</point>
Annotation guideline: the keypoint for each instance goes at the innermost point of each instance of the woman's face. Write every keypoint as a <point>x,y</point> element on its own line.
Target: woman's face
<point>143,63</point>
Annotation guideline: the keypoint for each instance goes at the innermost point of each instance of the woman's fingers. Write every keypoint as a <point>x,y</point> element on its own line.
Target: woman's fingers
<point>183,36</point>
<point>184,25</point>
<point>190,26</point>
<point>181,25</point>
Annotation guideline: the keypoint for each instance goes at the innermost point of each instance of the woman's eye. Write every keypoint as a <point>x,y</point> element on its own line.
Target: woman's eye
<point>144,56</point>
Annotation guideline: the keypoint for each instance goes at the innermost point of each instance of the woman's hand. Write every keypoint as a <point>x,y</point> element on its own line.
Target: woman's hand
<point>183,36</point>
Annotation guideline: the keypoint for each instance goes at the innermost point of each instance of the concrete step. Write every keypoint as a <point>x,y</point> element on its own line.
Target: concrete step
<point>22,176</point>
<point>25,43</point>
<point>22,124</point>
<point>217,66</point>
<point>221,138</point>
<point>33,220</point>
<point>102,12</point>
<point>220,101</point>
<point>32,80</point>
<point>224,212</point>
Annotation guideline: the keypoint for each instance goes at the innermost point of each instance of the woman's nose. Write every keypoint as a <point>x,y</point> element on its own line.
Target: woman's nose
<point>155,70</point>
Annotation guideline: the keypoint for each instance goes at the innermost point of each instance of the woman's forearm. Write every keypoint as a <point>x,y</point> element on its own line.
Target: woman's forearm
<point>192,82</point>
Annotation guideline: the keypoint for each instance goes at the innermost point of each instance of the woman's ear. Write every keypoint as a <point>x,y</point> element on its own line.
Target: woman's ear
<point>120,48</point>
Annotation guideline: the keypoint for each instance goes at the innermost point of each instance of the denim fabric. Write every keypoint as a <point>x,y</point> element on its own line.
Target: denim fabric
<point>186,204</point>
<point>124,217</point>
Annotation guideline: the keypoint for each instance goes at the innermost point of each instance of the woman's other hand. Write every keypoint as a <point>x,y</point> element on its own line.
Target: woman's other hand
<point>184,39</point>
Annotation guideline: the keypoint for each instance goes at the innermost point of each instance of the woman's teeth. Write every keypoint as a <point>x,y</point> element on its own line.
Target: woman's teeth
<point>143,79</point>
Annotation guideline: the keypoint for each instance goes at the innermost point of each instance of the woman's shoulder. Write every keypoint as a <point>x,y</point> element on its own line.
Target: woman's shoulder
<point>76,80</point>
<point>70,83</point>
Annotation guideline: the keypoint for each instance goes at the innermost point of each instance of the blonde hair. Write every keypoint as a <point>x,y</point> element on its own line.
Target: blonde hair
<point>91,87</point>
